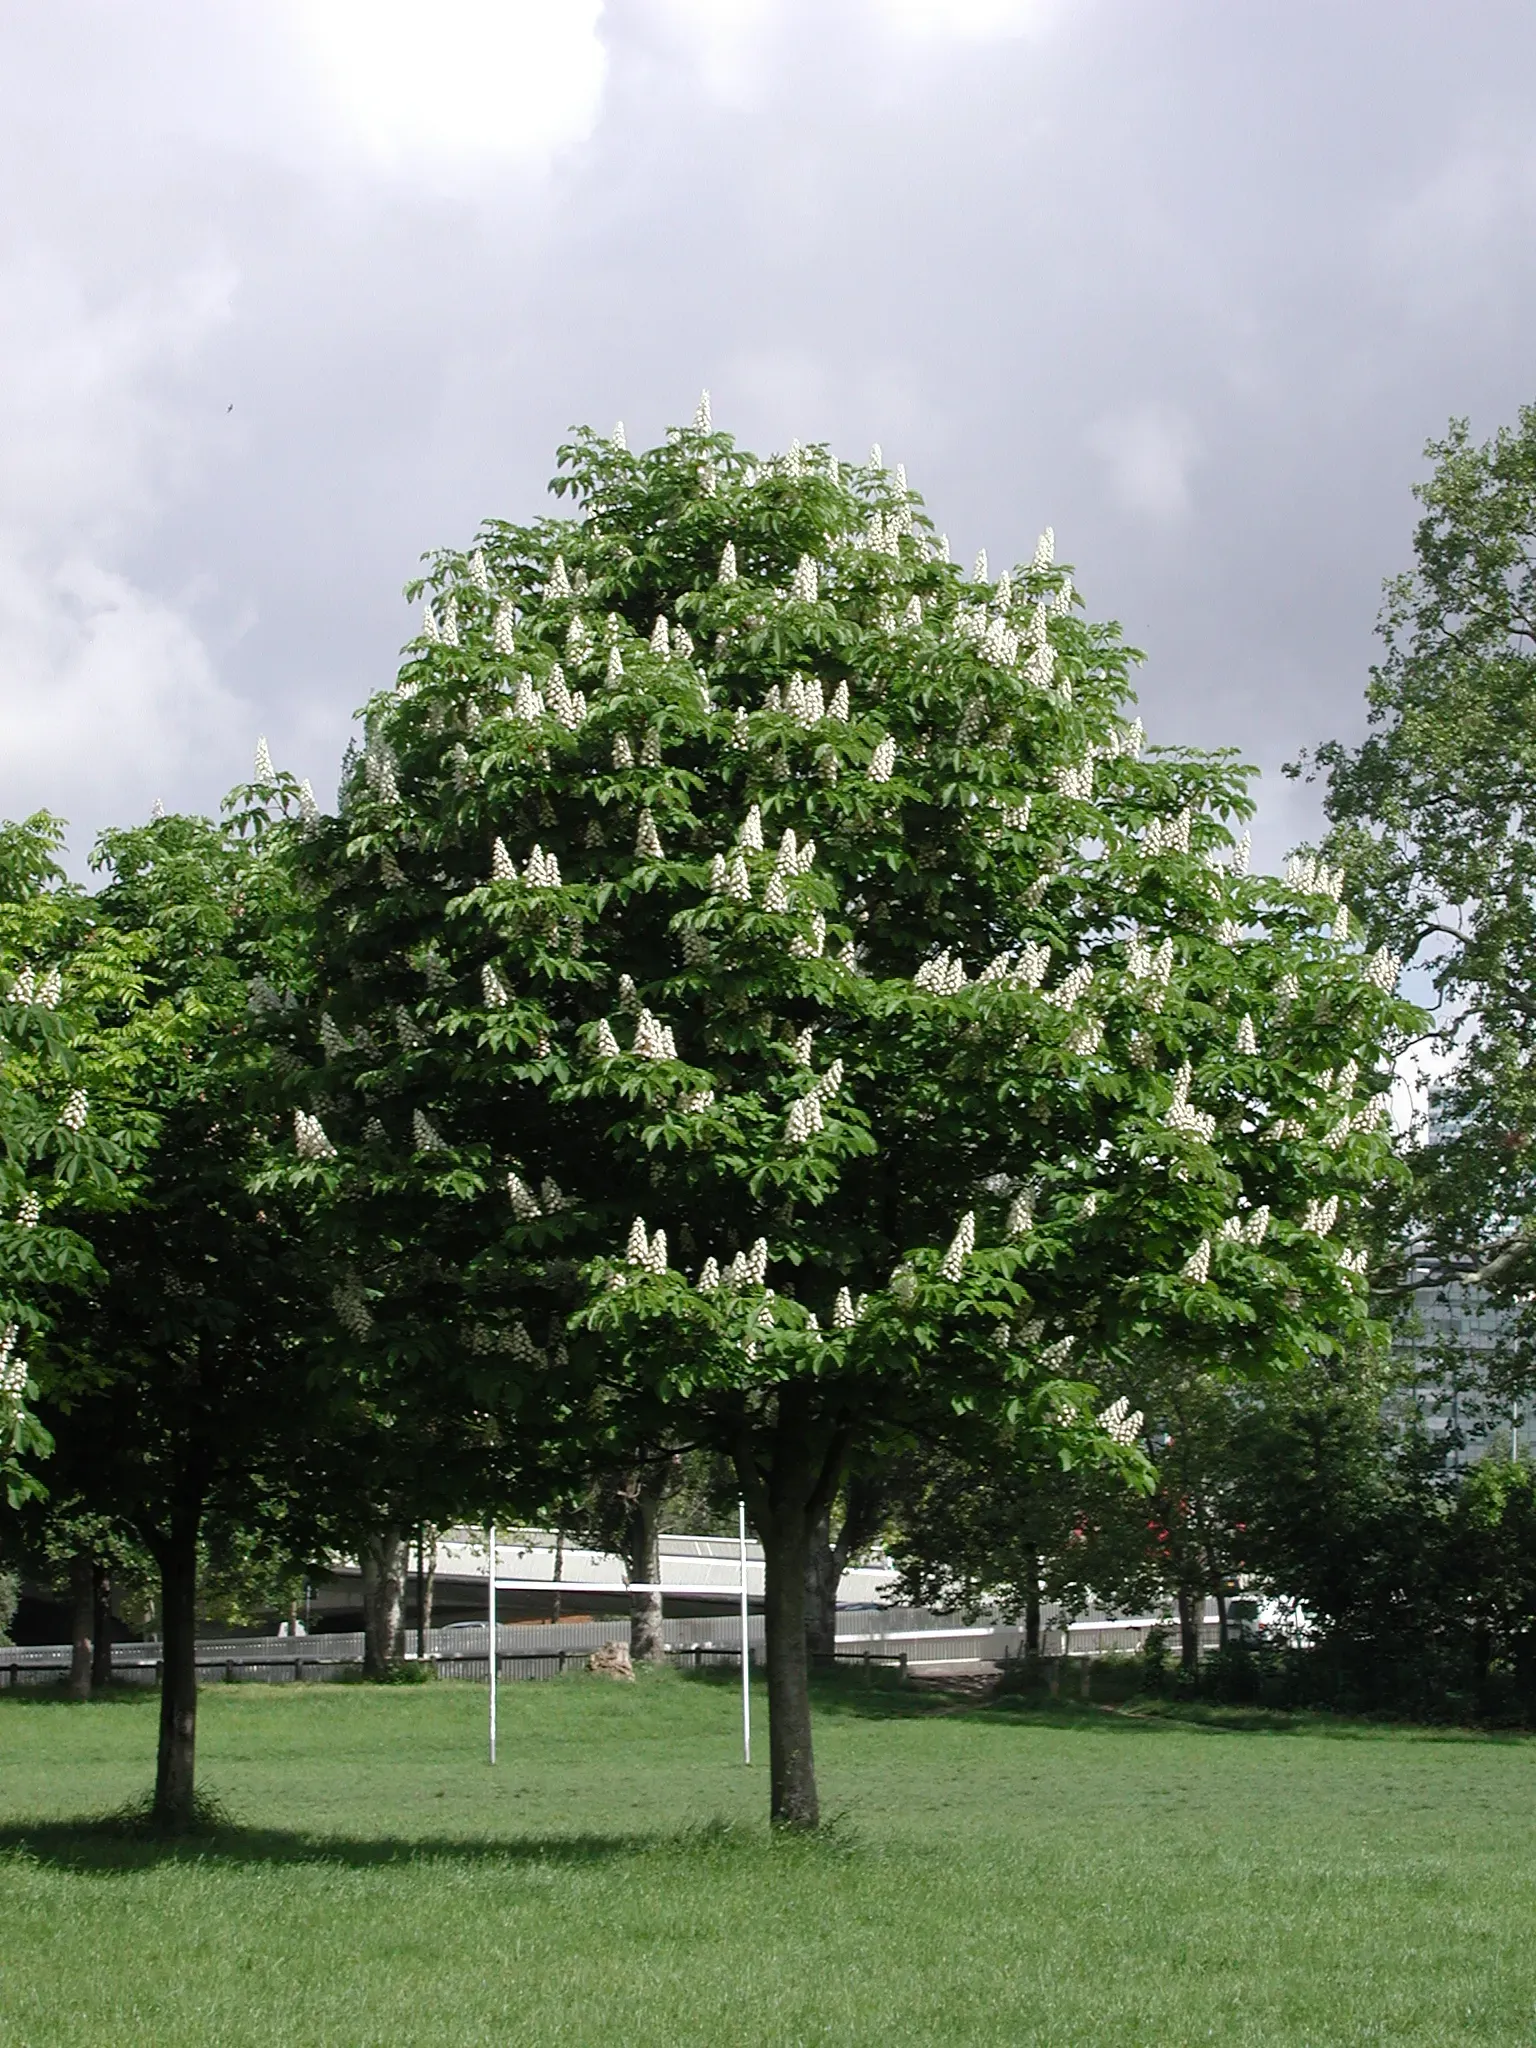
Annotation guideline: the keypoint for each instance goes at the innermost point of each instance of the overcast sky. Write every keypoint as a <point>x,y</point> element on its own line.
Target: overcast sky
<point>293,290</point>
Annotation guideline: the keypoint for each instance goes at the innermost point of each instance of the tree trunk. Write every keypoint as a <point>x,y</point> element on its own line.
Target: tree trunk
<point>1032,1607</point>
<point>426,1578</point>
<point>82,1623</point>
<point>865,1501</point>
<point>642,1561</point>
<point>1189,1630</point>
<point>793,1802</point>
<point>101,1640</point>
<point>175,1769</point>
<point>821,1576</point>
<point>788,1482</point>
<point>383,1568</point>
<point>555,1608</point>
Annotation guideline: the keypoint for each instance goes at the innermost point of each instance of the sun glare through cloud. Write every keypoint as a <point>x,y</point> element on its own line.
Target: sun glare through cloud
<point>464,81</point>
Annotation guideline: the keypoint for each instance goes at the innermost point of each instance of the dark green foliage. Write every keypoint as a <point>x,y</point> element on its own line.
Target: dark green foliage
<point>177,1384</point>
<point>73,1124</point>
<point>1434,816</point>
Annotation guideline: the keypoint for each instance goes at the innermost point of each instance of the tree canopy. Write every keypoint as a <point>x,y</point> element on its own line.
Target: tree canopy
<point>74,1124</point>
<point>1434,815</point>
<point>177,1381</point>
<point>763,993</point>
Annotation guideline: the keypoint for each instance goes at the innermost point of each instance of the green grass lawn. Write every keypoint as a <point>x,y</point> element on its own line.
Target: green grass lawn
<point>995,1874</point>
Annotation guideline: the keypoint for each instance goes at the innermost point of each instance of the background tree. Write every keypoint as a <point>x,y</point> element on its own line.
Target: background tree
<point>848,1525</point>
<point>1434,816</point>
<point>70,1124</point>
<point>1395,1564</point>
<point>644,1074</point>
<point>617,1507</point>
<point>984,1523</point>
<point>177,1388</point>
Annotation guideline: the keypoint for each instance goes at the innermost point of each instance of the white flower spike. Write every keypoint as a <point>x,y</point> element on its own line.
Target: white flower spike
<point>1120,1422</point>
<point>425,1133</point>
<point>961,1247</point>
<point>1197,1267</point>
<point>309,1137</point>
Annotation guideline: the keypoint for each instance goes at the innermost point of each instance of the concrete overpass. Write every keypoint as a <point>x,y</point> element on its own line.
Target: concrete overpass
<point>589,1582</point>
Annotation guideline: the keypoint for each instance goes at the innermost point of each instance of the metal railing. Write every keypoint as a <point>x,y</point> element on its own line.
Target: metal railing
<point>905,1637</point>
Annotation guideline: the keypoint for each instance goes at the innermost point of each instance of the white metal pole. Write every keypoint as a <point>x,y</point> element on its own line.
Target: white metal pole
<point>746,1647</point>
<point>490,1622</point>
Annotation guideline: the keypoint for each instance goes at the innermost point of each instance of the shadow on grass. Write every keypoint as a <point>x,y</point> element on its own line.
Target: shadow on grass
<point>881,1695</point>
<point>107,1846</point>
<point>14,1697</point>
<point>119,1844</point>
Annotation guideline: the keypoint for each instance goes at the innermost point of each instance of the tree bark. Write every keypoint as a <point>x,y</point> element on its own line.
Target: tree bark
<point>175,1768</point>
<point>787,1491</point>
<point>1032,1607</point>
<point>1189,1630</point>
<point>864,1504</point>
<point>383,1571</point>
<point>82,1623</point>
<point>101,1640</point>
<point>642,1561</point>
<point>793,1801</point>
<point>822,1573</point>
<point>426,1581</point>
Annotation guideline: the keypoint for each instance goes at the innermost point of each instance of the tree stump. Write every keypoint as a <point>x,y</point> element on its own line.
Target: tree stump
<point>612,1660</point>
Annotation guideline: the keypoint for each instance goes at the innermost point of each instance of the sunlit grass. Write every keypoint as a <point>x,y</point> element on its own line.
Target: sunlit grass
<point>993,1875</point>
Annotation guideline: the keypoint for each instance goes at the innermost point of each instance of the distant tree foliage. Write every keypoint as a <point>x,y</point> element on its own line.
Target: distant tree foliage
<point>1434,817</point>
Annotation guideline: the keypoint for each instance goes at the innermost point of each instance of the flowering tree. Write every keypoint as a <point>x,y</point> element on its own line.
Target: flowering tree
<point>764,979</point>
<point>177,1385</point>
<point>69,1127</point>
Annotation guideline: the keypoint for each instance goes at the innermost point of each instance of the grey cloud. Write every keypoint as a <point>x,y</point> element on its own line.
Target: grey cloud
<point>1191,283</point>
<point>1148,453</point>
